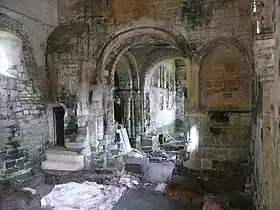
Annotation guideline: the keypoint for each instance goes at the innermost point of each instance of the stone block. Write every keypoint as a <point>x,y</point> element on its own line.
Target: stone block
<point>56,155</point>
<point>62,166</point>
<point>157,172</point>
<point>75,145</point>
<point>206,164</point>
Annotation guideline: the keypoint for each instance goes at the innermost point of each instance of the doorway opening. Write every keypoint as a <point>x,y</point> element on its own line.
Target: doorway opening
<point>59,113</point>
<point>118,103</point>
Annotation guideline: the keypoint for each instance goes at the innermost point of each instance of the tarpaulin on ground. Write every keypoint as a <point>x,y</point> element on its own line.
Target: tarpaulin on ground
<point>88,195</point>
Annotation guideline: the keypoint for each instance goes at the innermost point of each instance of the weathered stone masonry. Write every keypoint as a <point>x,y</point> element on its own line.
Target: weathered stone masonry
<point>102,32</point>
<point>226,82</point>
<point>23,106</point>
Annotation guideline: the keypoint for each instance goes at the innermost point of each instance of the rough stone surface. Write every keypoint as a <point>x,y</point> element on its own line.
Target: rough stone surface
<point>220,98</point>
<point>24,128</point>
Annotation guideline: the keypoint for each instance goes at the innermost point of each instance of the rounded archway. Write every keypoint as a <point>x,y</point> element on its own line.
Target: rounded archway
<point>163,74</point>
<point>125,40</point>
<point>139,42</point>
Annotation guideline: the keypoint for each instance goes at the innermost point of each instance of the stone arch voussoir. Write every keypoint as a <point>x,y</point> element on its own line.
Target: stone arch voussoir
<point>124,40</point>
<point>156,57</point>
<point>218,41</point>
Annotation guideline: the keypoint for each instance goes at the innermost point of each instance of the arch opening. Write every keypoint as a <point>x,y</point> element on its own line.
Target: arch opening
<point>10,54</point>
<point>141,48</point>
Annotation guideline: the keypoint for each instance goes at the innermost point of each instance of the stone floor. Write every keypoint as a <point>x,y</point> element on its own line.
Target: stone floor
<point>136,199</point>
<point>139,199</point>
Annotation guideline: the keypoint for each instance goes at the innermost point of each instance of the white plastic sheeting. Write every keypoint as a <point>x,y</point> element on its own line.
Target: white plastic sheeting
<point>87,196</point>
<point>125,146</point>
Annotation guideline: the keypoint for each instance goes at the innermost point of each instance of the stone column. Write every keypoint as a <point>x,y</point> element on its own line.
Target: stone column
<point>126,98</point>
<point>180,99</point>
<point>267,145</point>
<point>95,129</point>
<point>138,117</point>
<point>264,49</point>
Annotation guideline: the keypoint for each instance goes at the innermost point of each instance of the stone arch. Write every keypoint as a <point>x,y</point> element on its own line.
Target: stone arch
<point>221,40</point>
<point>17,29</point>
<point>134,68</point>
<point>155,57</point>
<point>114,49</point>
<point>224,76</point>
<point>122,41</point>
<point>125,75</point>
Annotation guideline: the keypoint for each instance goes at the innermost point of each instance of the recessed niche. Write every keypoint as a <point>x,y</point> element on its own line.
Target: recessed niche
<point>216,131</point>
<point>220,117</point>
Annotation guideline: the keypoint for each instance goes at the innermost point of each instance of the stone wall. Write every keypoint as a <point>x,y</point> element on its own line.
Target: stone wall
<point>266,120</point>
<point>225,80</point>
<point>38,18</point>
<point>192,27</point>
<point>24,125</point>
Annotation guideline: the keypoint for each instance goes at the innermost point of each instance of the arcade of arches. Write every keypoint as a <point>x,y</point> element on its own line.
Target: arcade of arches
<point>198,78</point>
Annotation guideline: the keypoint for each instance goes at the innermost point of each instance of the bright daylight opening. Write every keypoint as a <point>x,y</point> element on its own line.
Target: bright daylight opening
<point>10,53</point>
<point>194,138</point>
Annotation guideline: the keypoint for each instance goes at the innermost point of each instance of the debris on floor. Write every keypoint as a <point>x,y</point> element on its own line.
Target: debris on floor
<point>157,172</point>
<point>28,189</point>
<point>160,187</point>
<point>214,202</point>
<point>133,161</point>
<point>155,168</point>
<point>88,195</point>
<point>134,157</point>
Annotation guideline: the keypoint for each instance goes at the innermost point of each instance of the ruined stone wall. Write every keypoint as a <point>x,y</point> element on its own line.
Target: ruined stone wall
<point>39,18</point>
<point>265,127</point>
<point>224,80</point>
<point>68,83</point>
<point>265,121</point>
<point>201,24</point>
<point>201,21</point>
<point>24,125</point>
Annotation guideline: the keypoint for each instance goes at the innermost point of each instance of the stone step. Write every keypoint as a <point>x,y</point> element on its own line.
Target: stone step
<point>64,156</point>
<point>62,166</point>
<point>75,145</point>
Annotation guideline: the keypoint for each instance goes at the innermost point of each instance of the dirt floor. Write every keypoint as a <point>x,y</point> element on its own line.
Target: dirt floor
<point>135,199</point>
<point>182,192</point>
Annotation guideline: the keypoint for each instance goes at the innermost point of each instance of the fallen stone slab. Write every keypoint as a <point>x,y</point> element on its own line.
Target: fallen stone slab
<point>133,157</point>
<point>157,172</point>
<point>133,161</point>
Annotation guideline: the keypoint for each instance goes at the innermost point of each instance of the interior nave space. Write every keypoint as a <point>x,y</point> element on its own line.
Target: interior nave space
<point>106,89</point>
